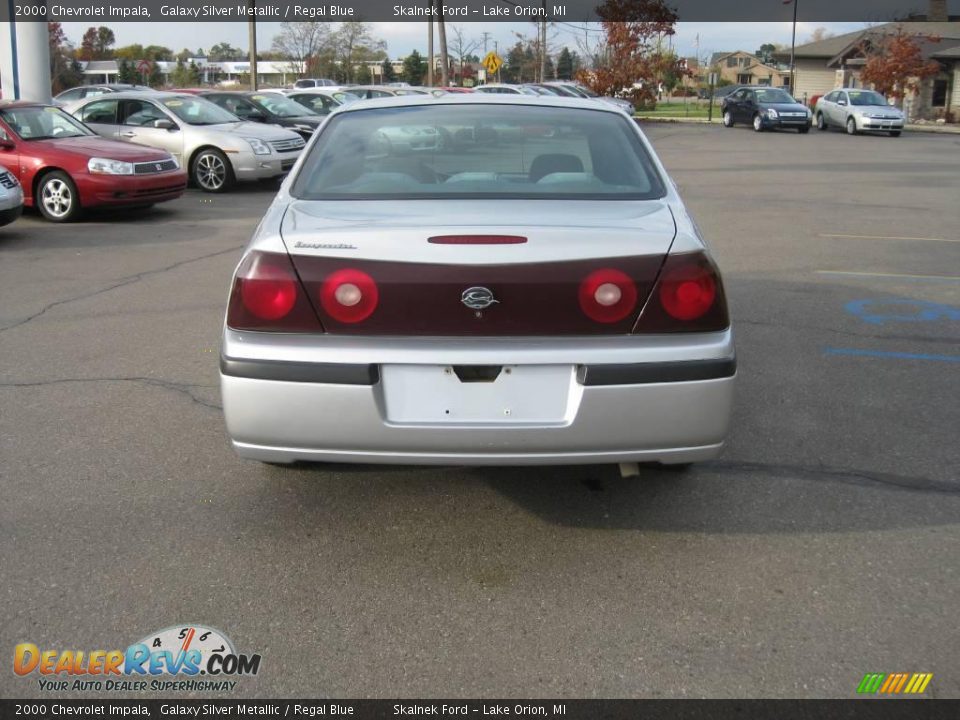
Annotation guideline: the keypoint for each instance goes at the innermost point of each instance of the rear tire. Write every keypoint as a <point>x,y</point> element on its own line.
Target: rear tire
<point>895,133</point>
<point>852,126</point>
<point>211,171</point>
<point>57,198</point>
<point>821,122</point>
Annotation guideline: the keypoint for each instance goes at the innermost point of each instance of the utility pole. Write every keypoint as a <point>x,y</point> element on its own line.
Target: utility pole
<point>543,43</point>
<point>444,60</point>
<point>252,38</point>
<point>496,49</point>
<point>793,50</point>
<point>429,45</point>
<point>486,36</point>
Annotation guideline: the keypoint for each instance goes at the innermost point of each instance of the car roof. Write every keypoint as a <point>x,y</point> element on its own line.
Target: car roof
<point>480,99</point>
<point>141,94</point>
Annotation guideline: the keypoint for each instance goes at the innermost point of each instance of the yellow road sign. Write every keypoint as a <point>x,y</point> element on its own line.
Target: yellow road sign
<point>492,62</point>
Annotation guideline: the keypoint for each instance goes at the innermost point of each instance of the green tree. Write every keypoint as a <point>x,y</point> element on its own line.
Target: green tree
<point>765,52</point>
<point>129,52</point>
<point>157,52</point>
<point>565,65</point>
<point>155,77</point>
<point>194,72</point>
<point>224,51</point>
<point>185,54</point>
<point>127,72</point>
<point>180,77</point>
<point>414,68</point>
<point>389,74</point>
<point>97,43</point>
<point>363,75</point>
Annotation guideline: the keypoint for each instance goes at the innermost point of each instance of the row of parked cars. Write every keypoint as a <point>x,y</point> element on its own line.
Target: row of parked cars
<point>132,146</point>
<point>855,110</point>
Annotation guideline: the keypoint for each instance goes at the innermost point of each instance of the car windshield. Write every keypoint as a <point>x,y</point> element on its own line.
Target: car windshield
<point>866,97</point>
<point>43,123</point>
<point>197,111</point>
<point>478,151</point>
<point>344,97</point>
<point>280,106</point>
<point>774,96</point>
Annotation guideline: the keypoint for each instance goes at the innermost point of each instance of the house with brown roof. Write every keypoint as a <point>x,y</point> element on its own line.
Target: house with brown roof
<point>743,68</point>
<point>837,62</point>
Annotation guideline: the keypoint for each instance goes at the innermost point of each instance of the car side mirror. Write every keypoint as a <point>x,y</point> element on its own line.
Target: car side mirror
<point>164,124</point>
<point>841,102</point>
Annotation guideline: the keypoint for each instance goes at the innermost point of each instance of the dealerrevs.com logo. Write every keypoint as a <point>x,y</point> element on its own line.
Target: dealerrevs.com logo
<point>181,657</point>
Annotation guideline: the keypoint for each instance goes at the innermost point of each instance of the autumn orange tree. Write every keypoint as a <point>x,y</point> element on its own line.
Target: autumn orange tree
<point>632,58</point>
<point>895,65</point>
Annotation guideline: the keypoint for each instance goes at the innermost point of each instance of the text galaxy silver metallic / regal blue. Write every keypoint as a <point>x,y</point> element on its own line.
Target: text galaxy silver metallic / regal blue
<point>528,290</point>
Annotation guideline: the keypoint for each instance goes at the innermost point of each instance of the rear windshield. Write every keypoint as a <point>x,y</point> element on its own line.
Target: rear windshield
<point>478,151</point>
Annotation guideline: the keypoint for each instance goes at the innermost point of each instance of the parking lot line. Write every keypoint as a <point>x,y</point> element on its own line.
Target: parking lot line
<point>894,276</point>
<point>888,354</point>
<point>885,237</point>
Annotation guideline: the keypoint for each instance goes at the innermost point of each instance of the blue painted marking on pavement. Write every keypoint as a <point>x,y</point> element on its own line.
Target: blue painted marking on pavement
<point>923,311</point>
<point>891,355</point>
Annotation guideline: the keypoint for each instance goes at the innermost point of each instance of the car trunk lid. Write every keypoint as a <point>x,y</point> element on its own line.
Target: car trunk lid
<point>526,261</point>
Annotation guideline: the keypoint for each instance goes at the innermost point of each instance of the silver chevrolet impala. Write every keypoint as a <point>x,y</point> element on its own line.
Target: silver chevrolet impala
<point>530,291</point>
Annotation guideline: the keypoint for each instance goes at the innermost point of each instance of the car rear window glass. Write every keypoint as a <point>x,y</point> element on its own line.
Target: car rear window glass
<point>478,151</point>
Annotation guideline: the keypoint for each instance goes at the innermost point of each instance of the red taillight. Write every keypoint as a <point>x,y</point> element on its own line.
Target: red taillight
<point>687,292</point>
<point>688,297</point>
<point>267,295</point>
<point>349,296</point>
<point>607,296</point>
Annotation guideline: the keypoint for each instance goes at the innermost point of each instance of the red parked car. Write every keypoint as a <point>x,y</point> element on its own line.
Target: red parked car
<point>66,168</point>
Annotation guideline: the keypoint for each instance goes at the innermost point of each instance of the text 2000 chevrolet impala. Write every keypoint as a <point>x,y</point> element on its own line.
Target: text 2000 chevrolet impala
<point>529,290</point>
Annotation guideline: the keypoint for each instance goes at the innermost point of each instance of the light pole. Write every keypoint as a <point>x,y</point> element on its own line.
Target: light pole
<point>252,39</point>
<point>793,48</point>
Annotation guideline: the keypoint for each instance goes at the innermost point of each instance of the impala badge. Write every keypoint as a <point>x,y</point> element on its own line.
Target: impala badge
<point>478,298</point>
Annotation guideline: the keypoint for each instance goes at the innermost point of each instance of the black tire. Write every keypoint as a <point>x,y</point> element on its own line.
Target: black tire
<point>803,130</point>
<point>852,126</point>
<point>57,198</point>
<point>211,171</point>
<point>822,122</point>
<point>757,123</point>
<point>895,133</point>
<point>727,119</point>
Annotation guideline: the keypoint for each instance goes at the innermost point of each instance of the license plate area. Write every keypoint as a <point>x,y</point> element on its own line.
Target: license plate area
<point>461,395</point>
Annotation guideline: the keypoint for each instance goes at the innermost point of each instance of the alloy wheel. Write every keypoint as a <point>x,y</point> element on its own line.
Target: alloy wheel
<point>211,171</point>
<point>57,197</point>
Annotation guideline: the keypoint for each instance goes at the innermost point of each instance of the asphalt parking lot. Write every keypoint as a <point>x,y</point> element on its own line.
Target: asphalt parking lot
<point>820,547</point>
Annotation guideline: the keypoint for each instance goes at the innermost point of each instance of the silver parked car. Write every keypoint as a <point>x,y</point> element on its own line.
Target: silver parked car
<point>11,197</point>
<point>542,299</point>
<point>858,110</point>
<point>215,146</point>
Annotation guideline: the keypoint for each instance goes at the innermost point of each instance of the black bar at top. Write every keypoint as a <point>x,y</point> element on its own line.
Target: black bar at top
<point>104,12</point>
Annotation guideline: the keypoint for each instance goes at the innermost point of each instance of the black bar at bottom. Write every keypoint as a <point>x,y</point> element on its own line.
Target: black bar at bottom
<point>874,707</point>
<point>661,372</point>
<point>333,373</point>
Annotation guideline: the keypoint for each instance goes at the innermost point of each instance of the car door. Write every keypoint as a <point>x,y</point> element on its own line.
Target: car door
<point>749,106</point>
<point>138,119</point>
<point>100,116</point>
<point>735,102</point>
<point>841,109</point>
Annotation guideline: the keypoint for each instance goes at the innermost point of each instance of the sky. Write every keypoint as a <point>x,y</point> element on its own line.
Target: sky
<point>403,37</point>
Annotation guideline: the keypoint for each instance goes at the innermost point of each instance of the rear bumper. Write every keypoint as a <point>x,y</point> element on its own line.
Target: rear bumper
<point>663,399</point>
